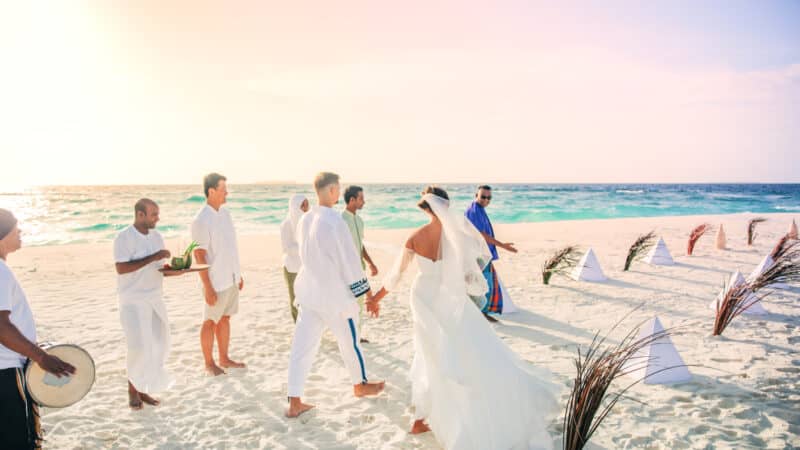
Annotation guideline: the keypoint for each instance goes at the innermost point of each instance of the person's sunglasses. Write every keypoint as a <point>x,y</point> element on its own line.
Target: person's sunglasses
<point>486,197</point>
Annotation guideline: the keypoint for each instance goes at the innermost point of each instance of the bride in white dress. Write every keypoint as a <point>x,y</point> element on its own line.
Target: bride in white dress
<point>468,386</point>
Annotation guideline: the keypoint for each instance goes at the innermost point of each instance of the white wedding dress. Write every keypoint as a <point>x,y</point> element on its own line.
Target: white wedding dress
<point>469,386</point>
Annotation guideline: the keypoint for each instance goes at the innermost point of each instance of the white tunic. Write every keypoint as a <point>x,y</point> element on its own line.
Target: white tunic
<point>142,311</point>
<point>12,298</point>
<point>331,277</point>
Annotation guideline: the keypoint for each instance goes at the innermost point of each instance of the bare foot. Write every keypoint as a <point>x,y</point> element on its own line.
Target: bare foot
<point>134,400</point>
<point>296,407</point>
<point>368,388</point>
<point>149,400</point>
<point>214,370</point>
<point>136,405</point>
<point>229,363</point>
<point>419,427</point>
<point>363,341</point>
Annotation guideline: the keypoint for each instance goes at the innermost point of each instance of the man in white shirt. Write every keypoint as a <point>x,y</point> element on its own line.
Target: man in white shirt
<point>19,427</point>
<point>298,205</point>
<point>139,252</point>
<point>213,230</point>
<point>326,288</point>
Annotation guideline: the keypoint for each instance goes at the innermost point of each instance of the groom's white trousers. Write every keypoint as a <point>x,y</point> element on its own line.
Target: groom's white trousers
<point>305,344</point>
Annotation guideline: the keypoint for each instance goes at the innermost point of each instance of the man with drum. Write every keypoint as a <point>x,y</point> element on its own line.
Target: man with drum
<point>19,415</point>
<point>138,253</point>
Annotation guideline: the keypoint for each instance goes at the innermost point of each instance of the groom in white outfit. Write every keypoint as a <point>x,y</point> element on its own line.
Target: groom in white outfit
<point>326,289</point>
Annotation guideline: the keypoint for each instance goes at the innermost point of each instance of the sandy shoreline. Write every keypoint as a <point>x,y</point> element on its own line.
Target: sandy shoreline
<point>744,394</point>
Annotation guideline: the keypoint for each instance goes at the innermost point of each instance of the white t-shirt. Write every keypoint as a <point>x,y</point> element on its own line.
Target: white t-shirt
<point>215,233</point>
<point>12,298</point>
<point>146,282</point>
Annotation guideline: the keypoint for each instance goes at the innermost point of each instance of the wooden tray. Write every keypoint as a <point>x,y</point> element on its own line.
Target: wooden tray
<point>194,268</point>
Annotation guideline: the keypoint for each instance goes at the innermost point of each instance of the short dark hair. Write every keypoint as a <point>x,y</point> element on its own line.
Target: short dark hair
<point>483,187</point>
<point>142,204</point>
<point>7,222</point>
<point>325,179</point>
<point>351,192</point>
<point>435,190</point>
<point>211,181</point>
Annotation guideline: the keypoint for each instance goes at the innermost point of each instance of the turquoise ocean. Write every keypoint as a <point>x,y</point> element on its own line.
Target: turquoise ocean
<point>54,215</point>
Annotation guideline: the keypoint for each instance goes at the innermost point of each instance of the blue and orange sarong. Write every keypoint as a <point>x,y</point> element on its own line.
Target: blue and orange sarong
<point>494,297</point>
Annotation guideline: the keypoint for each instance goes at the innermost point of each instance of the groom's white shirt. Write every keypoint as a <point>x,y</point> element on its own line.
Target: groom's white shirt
<point>331,277</point>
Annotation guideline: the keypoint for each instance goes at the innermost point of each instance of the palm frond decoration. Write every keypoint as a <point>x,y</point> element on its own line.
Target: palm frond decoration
<point>560,263</point>
<point>785,267</point>
<point>597,368</point>
<point>781,247</point>
<point>696,234</point>
<point>640,246</point>
<point>751,229</point>
<point>735,300</point>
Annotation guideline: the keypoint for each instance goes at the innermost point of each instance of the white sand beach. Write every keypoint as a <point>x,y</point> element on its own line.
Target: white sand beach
<point>744,394</point>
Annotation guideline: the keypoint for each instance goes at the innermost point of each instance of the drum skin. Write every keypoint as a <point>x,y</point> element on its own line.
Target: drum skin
<point>53,392</point>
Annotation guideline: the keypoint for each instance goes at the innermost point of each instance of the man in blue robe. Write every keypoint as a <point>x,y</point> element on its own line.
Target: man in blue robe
<point>476,213</point>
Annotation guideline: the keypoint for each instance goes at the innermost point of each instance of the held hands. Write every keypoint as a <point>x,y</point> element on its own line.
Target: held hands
<point>162,254</point>
<point>373,307</point>
<point>373,302</point>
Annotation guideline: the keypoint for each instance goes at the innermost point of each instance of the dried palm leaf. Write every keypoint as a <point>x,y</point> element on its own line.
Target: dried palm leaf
<point>698,232</point>
<point>751,229</point>
<point>561,262</point>
<point>640,246</point>
<point>597,368</point>
<point>781,247</point>
<point>785,268</point>
<point>735,300</point>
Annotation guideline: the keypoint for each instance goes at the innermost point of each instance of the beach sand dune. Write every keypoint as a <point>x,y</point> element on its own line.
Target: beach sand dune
<point>745,391</point>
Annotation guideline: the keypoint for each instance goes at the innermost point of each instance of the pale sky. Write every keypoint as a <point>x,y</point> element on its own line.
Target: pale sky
<point>143,92</point>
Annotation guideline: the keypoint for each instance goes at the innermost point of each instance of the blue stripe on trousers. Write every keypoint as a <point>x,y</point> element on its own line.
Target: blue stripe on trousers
<point>358,352</point>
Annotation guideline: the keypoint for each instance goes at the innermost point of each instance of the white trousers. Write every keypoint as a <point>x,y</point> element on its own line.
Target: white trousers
<point>305,344</point>
<point>147,335</point>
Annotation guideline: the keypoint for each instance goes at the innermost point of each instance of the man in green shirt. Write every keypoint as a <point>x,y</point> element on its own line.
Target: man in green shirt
<point>354,200</point>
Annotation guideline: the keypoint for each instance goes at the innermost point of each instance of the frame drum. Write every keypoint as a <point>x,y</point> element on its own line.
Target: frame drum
<point>50,391</point>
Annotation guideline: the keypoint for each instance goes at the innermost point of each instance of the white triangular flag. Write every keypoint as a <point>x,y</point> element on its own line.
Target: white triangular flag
<point>659,362</point>
<point>793,231</point>
<point>659,255</point>
<point>755,308</point>
<point>508,305</point>
<point>588,269</point>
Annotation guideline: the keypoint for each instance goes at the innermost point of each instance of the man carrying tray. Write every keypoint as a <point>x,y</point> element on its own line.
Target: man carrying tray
<point>19,427</point>
<point>139,252</point>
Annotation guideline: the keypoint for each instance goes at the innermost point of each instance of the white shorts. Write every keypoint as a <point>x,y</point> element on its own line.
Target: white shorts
<point>227,305</point>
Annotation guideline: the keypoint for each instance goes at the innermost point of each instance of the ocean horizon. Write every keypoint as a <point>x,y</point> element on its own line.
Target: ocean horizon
<point>54,215</point>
